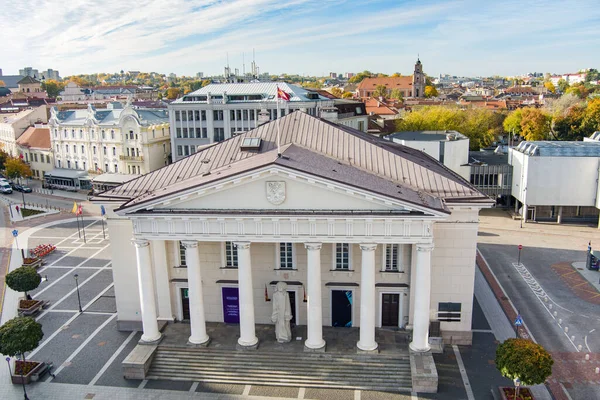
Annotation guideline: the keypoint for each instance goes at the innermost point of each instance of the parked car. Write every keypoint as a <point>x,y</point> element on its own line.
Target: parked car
<point>5,188</point>
<point>26,189</point>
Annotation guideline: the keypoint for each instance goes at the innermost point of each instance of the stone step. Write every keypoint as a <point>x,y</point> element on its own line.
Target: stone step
<point>317,370</point>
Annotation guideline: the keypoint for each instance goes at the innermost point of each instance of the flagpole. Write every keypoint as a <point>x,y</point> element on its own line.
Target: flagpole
<point>78,230</point>
<point>278,131</point>
<point>103,235</point>
<point>83,226</point>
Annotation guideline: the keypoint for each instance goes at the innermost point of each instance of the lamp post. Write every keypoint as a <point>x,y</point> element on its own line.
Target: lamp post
<point>8,363</point>
<point>23,379</point>
<point>76,276</point>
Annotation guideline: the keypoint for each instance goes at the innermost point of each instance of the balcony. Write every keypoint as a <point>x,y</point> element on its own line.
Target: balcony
<point>131,158</point>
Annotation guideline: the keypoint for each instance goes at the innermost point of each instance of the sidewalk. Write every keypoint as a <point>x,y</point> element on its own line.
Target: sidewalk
<point>593,277</point>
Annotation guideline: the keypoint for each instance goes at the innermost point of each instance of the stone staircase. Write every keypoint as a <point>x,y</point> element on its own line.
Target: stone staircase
<point>316,370</point>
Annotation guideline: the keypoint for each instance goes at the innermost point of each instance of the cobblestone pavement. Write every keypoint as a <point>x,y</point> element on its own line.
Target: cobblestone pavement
<point>576,282</point>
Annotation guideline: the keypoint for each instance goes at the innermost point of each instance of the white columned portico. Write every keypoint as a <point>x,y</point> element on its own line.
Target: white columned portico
<point>146,284</point>
<point>367,341</point>
<point>198,334</point>
<point>248,337</point>
<point>420,341</point>
<point>161,280</point>
<point>314,340</point>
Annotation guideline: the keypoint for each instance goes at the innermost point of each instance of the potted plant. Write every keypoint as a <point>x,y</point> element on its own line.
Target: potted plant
<point>18,336</point>
<point>24,279</point>
<point>525,362</point>
<point>34,262</point>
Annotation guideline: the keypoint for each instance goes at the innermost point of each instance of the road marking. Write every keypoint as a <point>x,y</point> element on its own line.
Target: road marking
<point>53,306</point>
<point>143,384</point>
<point>592,330</point>
<point>586,345</point>
<point>81,347</point>
<point>194,387</point>
<point>246,390</point>
<point>301,393</point>
<point>56,332</point>
<point>463,373</point>
<point>357,395</point>
<point>112,359</point>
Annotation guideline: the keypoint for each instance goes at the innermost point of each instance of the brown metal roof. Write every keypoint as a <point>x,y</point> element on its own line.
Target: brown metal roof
<point>316,147</point>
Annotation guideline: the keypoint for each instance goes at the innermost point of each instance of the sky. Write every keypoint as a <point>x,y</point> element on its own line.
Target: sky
<point>305,37</point>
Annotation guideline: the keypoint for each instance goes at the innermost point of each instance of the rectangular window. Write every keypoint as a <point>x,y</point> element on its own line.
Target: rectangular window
<point>104,151</point>
<point>231,255</point>
<point>112,135</point>
<point>114,151</point>
<point>203,115</point>
<point>449,312</point>
<point>342,256</point>
<point>204,133</point>
<point>196,115</point>
<point>116,168</point>
<point>184,116</point>
<point>82,149</point>
<point>198,133</point>
<point>185,133</point>
<point>35,157</point>
<point>177,117</point>
<point>74,149</point>
<point>48,159</point>
<point>66,148</point>
<point>105,167</point>
<point>232,115</point>
<point>218,115</point>
<point>182,262</point>
<point>219,134</point>
<point>391,257</point>
<point>103,135</point>
<point>186,150</point>
<point>286,260</point>
<point>178,130</point>
<point>76,164</point>
<point>179,150</point>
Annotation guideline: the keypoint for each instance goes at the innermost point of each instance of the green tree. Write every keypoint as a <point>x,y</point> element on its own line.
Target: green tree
<point>3,156</point>
<point>535,125</point>
<point>16,168</point>
<point>396,94</point>
<point>19,336</point>
<point>562,85</point>
<point>430,91</point>
<point>512,123</point>
<point>23,279</point>
<point>481,126</point>
<point>52,87</point>
<point>347,95</point>
<point>525,360</point>
<point>591,120</point>
<point>360,76</point>
<point>578,90</point>
<point>380,91</point>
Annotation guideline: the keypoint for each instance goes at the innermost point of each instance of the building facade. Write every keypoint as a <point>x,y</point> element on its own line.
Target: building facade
<point>34,147</point>
<point>358,238</point>
<point>219,111</point>
<point>556,180</point>
<point>116,139</point>
<point>12,126</point>
<point>408,86</point>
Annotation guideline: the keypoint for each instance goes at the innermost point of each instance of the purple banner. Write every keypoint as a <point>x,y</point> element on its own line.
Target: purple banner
<point>231,306</point>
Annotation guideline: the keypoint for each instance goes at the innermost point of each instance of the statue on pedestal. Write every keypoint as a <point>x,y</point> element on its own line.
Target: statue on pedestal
<point>282,313</point>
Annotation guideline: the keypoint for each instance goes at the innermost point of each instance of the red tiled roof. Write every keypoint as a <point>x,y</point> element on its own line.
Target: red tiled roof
<point>401,82</point>
<point>38,138</point>
<point>377,107</point>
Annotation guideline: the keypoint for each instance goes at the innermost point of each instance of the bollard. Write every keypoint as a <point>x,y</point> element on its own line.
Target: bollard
<point>573,338</point>
<point>555,313</point>
<point>550,306</point>
<point>587,357</point>
<point>566,329</point>
<point>560,321</point>
<point>579,347</point>
<point>597,370</point>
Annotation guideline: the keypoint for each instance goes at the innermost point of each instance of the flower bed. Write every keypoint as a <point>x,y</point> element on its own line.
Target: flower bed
<point>24,370</point>
<point>29,307</point>
<point>508,393</point>
<point>34,262</point>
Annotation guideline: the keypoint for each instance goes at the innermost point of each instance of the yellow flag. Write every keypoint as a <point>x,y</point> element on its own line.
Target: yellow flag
<point>74,210</point>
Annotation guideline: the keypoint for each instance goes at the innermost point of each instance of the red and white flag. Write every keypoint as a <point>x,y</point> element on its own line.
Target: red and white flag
<point>80,210</point>
<point>282,95</point>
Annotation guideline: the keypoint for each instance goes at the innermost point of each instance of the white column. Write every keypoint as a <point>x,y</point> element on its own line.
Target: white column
<point>367,299</point>
<point>146,286</point>
<point>197,319</point>
<point>161,278</point>
<point>315,307</point>
<point>246,296</point>
<point>422,288</point>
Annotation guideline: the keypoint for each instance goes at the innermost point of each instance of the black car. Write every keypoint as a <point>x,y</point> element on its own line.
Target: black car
<point>16,187</point>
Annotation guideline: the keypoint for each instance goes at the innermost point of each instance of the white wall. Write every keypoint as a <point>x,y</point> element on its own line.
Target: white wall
<point>456,155</point>
<point>556,181</point>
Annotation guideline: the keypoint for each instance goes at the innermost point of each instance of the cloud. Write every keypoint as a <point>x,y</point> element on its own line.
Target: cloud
<point>311,36</point>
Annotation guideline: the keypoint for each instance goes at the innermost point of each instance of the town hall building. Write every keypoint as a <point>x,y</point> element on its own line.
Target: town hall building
<point>366,233</point>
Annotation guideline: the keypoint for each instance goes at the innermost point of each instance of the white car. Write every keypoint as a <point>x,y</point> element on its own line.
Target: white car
<point>5,188</point>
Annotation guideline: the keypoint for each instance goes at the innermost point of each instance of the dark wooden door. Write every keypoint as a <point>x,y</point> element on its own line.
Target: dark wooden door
<point>185,304</point>
<point>390,307</point>
<point>341,308</point>
<point>292,295</point>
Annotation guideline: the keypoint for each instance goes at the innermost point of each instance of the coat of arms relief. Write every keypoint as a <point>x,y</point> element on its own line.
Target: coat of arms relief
<point>276,192</point>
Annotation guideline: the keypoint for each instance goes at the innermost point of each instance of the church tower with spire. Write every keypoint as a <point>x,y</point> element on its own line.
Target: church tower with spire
<point>418,80</point>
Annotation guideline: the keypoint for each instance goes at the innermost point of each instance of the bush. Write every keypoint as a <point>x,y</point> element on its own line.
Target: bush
<point>20,335</point>
<point>524,359</point>
<point>23,279</point>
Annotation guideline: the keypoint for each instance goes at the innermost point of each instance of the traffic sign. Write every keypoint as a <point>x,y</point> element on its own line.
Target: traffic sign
<point>520,247</point>
<point>518,321</point>
<point>15,233</point>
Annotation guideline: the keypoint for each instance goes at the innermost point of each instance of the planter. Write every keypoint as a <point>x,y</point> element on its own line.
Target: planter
<point>508,393</point>
<point>30,307</point>
<point>32,262</point>
<point>43,250</point>
<point>30,369</point>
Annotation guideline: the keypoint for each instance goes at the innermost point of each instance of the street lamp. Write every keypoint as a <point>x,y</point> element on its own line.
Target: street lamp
<point>9,370</point>
<point>76,276</point>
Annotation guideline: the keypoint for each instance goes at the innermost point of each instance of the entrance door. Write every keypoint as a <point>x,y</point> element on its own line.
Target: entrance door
<point>231,305</point>
<point>341,308</point>
<point>390,306</point>
<point>292,295</point>
<point>185,304</point>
